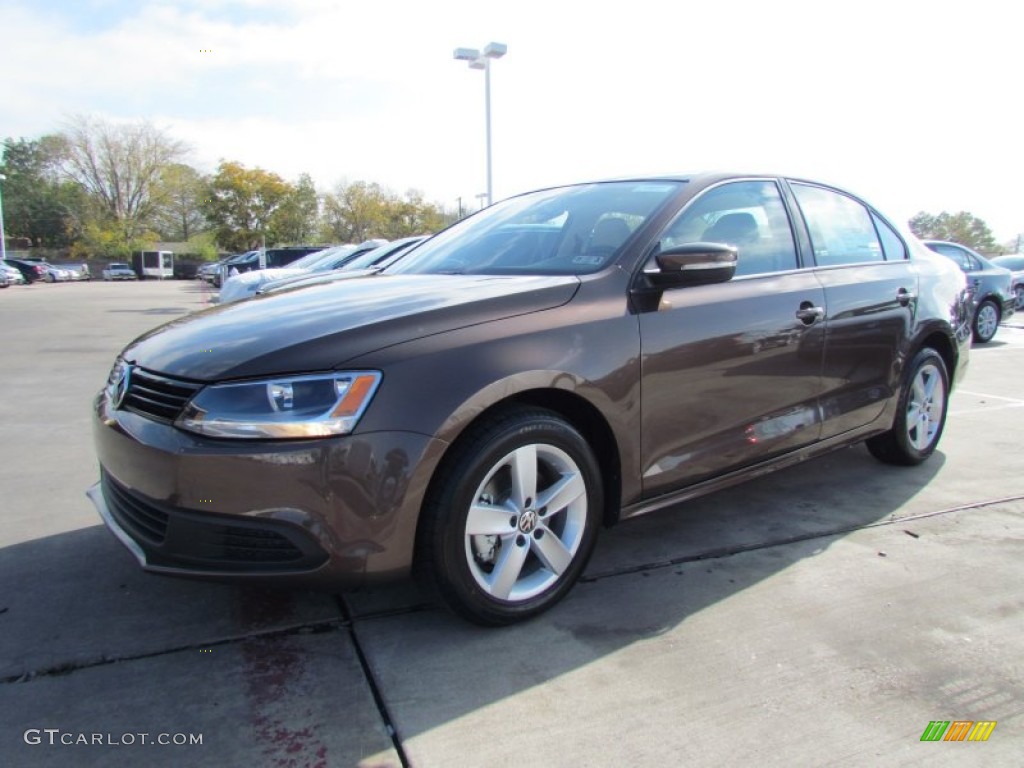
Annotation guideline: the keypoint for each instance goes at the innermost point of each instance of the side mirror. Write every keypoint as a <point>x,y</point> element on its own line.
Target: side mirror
<point>693,264</point>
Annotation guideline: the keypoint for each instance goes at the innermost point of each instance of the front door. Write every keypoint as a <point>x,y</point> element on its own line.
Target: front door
<point>732,371</point>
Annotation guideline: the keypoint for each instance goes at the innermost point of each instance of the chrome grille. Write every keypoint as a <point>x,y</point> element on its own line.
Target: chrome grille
<point>157,396</point>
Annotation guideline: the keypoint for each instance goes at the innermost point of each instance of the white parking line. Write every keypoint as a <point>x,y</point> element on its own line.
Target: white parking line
<point>992,397</point>
<point>1010,402</point>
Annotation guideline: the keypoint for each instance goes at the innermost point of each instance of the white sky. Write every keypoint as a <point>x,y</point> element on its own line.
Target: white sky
<point>912,105</point>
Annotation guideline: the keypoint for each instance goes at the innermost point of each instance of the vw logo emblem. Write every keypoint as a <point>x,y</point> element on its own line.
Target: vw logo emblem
<point>528,521</point>
<point>119,387</point>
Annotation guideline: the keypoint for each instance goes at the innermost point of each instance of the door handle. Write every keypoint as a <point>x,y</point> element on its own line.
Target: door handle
<point>904,297</point>
<point>808,313</point>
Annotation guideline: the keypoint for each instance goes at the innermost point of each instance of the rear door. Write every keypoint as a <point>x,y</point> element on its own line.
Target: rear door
<point>871,298</point>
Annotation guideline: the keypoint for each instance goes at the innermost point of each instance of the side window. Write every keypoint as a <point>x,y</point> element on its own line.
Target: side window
<point>841,229</point>
<point>748,215</point>
<point>892,245</point>
<point>958,255</point>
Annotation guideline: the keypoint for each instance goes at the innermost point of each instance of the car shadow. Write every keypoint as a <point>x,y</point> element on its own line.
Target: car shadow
<point>647,577</point>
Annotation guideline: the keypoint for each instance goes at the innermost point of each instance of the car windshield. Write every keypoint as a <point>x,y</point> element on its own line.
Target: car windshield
<point>329,259</point>
<point>386,254</point>
<point>562,231</point>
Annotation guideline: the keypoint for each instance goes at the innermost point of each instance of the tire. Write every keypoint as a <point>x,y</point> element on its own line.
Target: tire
<point>491,542</point>
<point>1018,293</point>
<point>921,413</point>
<point>986,321</point>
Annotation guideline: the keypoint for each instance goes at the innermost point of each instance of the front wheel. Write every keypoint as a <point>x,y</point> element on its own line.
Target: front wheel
<point>920,415</point>
<point>986,321</point>
<point>512,517</point>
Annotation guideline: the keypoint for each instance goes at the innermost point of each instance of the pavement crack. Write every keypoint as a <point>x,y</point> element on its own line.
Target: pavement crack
<point>371,681</point>
<point>68,667</point>
<point>722,552</point>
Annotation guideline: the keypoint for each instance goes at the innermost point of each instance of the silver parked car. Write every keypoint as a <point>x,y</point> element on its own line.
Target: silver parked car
<point>991,294</point>
<point>14,276</point>
<point>1015,263</point>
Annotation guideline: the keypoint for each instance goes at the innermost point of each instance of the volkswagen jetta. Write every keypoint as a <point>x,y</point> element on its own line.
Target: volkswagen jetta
<point>560,361</point>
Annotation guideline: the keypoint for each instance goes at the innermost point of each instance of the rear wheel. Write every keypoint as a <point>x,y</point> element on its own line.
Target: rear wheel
<point>986,321</point>
<point>921,413</point>
<point>1018,292</point>
<point>513,517</point>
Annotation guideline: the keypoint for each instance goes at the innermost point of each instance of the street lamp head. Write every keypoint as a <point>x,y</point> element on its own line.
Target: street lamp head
<point>478,63</point>
<point>495,50</point>
<point>466,54</point>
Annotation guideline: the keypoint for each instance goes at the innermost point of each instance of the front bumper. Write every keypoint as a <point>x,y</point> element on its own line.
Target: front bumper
<point>333,512</point>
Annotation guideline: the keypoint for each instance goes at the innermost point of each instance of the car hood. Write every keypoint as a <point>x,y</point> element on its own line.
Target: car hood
<point>321,329</point>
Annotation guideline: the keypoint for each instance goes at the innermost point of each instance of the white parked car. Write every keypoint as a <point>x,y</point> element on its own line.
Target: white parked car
<point>55,274</point>
<point>119,272</point>
<point>245,285</point>
<point>14,276</point>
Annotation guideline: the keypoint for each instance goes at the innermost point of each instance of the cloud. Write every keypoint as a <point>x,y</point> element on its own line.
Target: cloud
<point>899,101</point>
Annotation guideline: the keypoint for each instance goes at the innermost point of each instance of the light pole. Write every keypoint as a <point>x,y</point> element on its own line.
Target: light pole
<point>478,60</point>
<point>3,238</point>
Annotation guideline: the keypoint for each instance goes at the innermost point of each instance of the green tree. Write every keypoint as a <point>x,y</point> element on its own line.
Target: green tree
<point>240,204</point>
<point>360,210</point>
<point>120,167</point>
<point>179,199</point>
<point>295,220</point>
<point>412,215</point>
<point>962,227</point>
<point>38,203</point>
<point>355,212</point>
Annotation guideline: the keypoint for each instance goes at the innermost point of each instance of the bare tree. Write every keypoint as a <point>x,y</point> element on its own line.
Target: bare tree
<point>120,166</point>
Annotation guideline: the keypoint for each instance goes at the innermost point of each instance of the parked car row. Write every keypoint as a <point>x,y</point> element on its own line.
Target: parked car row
<point>271,258</point>
<point>24,270</point>
<point>338,257</point>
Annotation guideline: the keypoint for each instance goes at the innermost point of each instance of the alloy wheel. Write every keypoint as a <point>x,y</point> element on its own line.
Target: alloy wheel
<point>526,522</point>
<point>925,407</point>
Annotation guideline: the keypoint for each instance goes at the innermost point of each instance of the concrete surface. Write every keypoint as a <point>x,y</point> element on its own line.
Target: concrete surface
<point>820,616</point>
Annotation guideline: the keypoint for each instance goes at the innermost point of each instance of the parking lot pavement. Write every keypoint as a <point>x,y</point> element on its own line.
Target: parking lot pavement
<point>823,615</point>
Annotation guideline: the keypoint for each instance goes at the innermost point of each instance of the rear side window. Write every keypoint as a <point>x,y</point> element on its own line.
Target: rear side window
<point>959,255</point>
<point>841,229</point>
<point>892,245</point>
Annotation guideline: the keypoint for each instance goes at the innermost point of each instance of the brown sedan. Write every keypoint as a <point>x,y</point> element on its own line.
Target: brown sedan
<point>560,361</point>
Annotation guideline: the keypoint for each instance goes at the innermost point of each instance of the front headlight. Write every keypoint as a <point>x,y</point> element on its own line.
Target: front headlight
<point>283,407</point>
